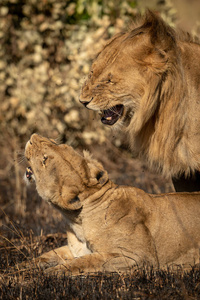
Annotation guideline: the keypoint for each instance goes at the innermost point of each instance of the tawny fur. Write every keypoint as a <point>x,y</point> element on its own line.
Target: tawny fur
<point>110,227</point>
<point>154,72</point>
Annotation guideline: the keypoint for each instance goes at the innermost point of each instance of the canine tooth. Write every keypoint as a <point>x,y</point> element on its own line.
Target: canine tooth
<point>109,118</point>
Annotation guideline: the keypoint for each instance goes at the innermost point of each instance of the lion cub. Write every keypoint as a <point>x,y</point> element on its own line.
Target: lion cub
<point>110,227</point>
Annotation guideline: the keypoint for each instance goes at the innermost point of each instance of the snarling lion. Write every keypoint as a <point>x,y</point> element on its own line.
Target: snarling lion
<point>147,81</point>
<point>110,227</point>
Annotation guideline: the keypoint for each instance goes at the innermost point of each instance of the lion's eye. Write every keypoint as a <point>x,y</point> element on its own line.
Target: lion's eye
<point>90,74</point>
<point>44,159</point>
<point>109,78</point>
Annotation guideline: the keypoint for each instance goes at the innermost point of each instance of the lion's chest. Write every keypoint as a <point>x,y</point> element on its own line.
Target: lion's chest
<point>76,240</point>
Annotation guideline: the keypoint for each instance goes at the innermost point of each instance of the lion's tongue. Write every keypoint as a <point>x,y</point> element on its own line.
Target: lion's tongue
<point>111,116</point>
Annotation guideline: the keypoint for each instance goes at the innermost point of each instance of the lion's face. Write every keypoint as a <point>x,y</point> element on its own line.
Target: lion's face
<point>125,73</point>
<point>53,168</point>
<point>60,173</point>
<point>110,87</point>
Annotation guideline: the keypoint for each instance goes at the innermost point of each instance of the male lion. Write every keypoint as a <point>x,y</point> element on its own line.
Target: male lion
<point>110,227</point>
<point>148,81</point>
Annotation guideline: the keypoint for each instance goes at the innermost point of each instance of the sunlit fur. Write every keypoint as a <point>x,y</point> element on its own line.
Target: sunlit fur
<point>154,72</point>
<point>110,228</point>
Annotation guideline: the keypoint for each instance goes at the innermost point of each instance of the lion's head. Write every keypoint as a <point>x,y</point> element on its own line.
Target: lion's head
<point>60,173</point>
<point>124,81</point>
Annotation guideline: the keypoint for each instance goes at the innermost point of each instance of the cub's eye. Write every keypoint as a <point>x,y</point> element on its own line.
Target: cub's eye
<point>44,159</point>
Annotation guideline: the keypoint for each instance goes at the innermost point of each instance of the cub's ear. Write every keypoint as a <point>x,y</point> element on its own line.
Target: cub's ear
<point>97,175</point>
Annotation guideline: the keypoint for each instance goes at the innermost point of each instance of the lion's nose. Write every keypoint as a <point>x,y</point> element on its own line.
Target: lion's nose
<point>85,103</point>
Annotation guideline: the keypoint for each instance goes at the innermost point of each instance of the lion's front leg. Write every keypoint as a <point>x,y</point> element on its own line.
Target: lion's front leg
<point>47,260</point>
<point>91,263</point>
<point>53,257</point>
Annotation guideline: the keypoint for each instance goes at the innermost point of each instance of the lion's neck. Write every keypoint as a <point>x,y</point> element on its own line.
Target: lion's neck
<point>74,222</point>
<point>90,198</point>
<point>93,197</point>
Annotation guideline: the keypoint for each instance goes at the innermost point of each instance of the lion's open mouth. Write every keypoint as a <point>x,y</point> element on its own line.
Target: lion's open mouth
<point>112,115</point>
<point>29,176</point>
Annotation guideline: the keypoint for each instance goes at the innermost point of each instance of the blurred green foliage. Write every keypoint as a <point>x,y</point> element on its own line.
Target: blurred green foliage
<point>93,9</point>
<point>75,11</point>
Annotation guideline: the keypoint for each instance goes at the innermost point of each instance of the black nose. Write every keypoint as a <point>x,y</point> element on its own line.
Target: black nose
<point>85,103</point>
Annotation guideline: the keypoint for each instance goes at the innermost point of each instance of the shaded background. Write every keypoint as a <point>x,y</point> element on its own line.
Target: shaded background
<point>46,50</point>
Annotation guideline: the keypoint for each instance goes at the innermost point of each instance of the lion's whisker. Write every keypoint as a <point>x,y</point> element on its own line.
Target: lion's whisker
<point>113,109</point>
<point>20,158</point>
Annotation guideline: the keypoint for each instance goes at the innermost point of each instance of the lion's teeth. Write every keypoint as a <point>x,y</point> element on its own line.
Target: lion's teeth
<point>29,172</point>
<point>29,176</point>
<point>109,118</point>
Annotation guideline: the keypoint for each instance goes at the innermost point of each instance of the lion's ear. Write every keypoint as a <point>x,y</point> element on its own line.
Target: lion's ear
<point>157,44</point>
<point>161,34</point>
<point>97,174</point>
<point>69,201</point>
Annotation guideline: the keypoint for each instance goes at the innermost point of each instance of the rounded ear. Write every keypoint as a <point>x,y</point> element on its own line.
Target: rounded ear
<point>97,174</point>
<point>162,40</point>
<point>156,43</point>
<point>74,203</point>
<point>68,201</point>
<point>161,34</point>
